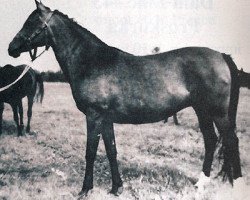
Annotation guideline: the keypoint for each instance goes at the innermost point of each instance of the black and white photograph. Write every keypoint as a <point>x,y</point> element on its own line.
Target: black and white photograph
<point>125,100</point>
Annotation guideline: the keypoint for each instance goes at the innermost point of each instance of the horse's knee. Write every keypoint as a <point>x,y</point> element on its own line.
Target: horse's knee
<point>90,156</point>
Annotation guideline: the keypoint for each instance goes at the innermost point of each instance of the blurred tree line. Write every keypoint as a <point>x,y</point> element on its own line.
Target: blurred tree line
<point>51,76</point>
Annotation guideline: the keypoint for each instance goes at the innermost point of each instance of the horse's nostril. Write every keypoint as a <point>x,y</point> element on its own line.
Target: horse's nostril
<point>13,52</point>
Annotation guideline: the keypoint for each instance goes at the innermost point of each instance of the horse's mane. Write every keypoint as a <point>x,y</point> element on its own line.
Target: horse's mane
<point>83,31</point>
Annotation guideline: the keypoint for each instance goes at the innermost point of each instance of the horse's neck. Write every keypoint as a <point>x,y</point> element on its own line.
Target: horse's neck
<point>73,47</point>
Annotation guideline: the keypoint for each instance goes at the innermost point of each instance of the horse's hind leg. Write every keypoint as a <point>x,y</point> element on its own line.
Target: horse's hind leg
<point>15,115</point>
<point>230,144</point>
<point>1,116</point>
<point>210,140</point>
<point>20,110</point>
<point>29,112</point>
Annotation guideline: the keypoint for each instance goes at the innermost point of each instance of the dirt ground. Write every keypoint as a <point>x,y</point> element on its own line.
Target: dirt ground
<point>157,161</point>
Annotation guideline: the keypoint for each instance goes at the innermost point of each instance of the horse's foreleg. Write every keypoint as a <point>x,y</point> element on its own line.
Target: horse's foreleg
<point>110,145</point>
<point>94,126</point>
<point>15,115</point>
<point>29,112</point>
<point>210,140</point>
<point>1,116</point>
<point>20,110</point>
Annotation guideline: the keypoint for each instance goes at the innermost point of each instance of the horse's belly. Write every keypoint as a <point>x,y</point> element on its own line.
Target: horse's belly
<point>138,117</point>
<point>154,109</point>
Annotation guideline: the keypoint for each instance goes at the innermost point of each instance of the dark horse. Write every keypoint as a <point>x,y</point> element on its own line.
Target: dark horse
<point>30,85</point>
<point>244,79</point>
<point>111,86</point>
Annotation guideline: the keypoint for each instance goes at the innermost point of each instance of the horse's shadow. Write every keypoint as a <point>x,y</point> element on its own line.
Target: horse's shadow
<point>142,172</point>
<point>9,128</point>
<point>139,173</point>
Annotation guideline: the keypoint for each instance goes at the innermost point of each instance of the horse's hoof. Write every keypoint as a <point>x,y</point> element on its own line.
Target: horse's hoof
<point>19,134</point>
<point>83,193</point>
<point>116,190</point>
<point>202,182</point>
<point>27,130</point>
<point>240,189</point>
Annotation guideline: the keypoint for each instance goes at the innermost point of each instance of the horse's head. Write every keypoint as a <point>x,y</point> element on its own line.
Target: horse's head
<point>34,32</point>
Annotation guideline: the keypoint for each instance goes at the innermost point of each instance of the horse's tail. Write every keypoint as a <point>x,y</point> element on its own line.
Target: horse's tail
<point>244,79</point>
<point>232,112</point>
<point>40,88</point>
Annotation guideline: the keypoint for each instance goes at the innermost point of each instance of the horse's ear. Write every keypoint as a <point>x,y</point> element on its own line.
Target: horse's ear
<point>37,3</point>
<point>241,69</point>
<point>41,7</point>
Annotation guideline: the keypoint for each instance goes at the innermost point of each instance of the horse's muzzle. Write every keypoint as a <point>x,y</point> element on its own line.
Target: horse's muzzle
<point>13,52</point>
<point>16,47</point>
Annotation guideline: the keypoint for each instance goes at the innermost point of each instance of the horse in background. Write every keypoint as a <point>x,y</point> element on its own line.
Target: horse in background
<point>30,85</point>
<point>244,79</point>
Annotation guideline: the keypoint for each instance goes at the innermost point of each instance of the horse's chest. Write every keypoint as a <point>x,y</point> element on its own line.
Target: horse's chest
<point>97,92</point>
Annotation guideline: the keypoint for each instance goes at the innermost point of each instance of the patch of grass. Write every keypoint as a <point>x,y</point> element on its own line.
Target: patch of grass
<point>157,161</point>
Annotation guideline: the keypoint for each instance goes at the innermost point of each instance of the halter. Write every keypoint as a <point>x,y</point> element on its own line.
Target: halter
<point>28,40</point>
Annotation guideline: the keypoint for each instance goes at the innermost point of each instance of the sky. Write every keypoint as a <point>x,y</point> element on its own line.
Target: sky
<point>137,26</point>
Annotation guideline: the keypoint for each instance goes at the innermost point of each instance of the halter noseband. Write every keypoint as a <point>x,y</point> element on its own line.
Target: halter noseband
<point>28,40</point>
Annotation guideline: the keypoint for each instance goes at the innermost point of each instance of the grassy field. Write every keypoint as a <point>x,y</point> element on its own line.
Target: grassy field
<point>158,161</point>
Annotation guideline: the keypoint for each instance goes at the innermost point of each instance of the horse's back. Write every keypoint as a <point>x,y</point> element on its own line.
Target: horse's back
<point>189,73</point>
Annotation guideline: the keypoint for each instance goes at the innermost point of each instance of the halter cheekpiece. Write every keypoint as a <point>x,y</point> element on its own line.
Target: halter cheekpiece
<point>33,55</point>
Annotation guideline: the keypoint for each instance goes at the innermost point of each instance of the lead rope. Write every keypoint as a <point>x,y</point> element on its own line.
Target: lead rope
<point>26,69</point>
